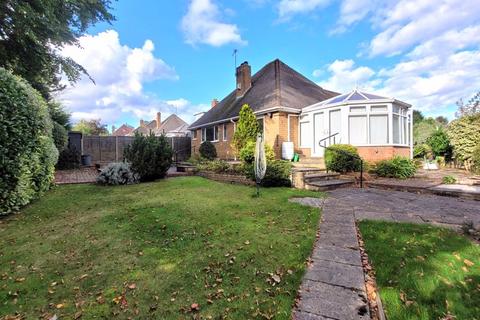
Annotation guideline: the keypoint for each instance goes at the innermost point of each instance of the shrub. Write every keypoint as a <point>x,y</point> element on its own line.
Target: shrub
<point>342,158</point>
<point>277,174</point>
<point>27,152</point>
<point>69,158</point>
<point>247,154</point>
<point>398,167</point>
<point>247,128</point>
<point>217,166</point>
<point>207,150</point>
<point>476,158</point>
<point>60,136</point>
<point>439,143</point>
<point>464,134</point>
<point>117,174</point>
<point>149,156</point>
<point>449,180</point>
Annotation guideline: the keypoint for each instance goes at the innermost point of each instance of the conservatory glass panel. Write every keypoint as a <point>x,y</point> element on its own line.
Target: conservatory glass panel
<point>335,126</point>
<point>379,129</point>
<point>356,96</point>
<point>396,129</point>
<point>358,109</point>
<point>338,99</point>
<point>305,134</point>
<point>357,129</point>
<point>378,108</point>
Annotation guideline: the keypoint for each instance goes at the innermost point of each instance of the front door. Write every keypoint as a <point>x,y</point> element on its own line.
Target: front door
<point>319,133</point>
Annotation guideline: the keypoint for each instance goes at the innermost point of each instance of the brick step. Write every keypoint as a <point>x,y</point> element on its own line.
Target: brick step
<point>300,164</point>
<point>321,176</point>
<point>325,185</point>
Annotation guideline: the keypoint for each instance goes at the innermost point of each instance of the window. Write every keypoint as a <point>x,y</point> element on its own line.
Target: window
<point>378,129</point>
<point>335,126</point>
<point>378,109</point>
<point>358,109</point>
<point>194,134</point>
<point>260,124</point>
<point>224,132</point>
<point>305,134</point>
<point>210,134</point>
<point>357,128</point>
<point>396,128</point>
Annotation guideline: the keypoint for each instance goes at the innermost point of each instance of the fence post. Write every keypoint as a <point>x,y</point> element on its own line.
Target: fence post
<point>116,148</point>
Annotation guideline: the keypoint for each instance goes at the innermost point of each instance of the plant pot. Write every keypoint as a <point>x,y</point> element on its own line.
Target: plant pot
<point>86,160</point>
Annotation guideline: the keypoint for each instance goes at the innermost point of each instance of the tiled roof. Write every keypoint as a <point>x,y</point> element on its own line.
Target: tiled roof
<point>275,85</point>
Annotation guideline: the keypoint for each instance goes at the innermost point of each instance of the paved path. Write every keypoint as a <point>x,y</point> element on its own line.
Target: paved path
<point>333,286</point>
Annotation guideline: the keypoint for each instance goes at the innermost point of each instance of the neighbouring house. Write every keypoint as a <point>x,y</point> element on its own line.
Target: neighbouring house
<point>123,130</point>
<point>292,110</point>
<point>172,126</point>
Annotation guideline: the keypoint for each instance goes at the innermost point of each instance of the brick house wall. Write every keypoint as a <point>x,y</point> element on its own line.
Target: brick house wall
<point>224,149</point>
<point>375,154</point>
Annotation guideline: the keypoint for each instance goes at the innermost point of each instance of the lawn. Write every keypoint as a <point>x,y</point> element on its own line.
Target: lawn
<point>424,272</point>
<point>155,249</point>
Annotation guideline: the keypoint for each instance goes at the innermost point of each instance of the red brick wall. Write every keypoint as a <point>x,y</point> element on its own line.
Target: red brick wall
<point>375,154</point>
<point>224,149</point>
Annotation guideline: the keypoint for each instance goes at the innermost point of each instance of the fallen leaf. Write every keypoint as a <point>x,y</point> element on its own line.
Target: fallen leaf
<point>83,276</point>
<point>77,315</point>
<point>132,286</point>
<point>195,307</point>
<point>247,242</point>
<point>60,306</point>
<point>19,279</point>
<point>276,278</point>
<point>468,262</point>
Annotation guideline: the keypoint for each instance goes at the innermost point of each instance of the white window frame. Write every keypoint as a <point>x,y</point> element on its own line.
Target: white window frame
<point>403,126</point>
<point>204,134</point>
<point>368,111</point>
<point>309,132</point>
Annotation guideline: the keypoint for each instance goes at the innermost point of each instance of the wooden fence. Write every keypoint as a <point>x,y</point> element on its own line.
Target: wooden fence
<point>107,149</point>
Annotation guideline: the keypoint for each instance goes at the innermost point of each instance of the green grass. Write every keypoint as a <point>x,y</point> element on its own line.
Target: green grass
<point>424,272</point>
<point>180,241</point>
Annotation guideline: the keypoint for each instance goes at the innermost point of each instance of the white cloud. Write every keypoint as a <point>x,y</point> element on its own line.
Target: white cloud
<point>344,77</point>
<point>120,73</point>
<point>202,25</point>
<point>352,11</point>
<point>288,8</point>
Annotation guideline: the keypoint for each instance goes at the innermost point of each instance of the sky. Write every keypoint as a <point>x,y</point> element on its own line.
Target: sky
<point>176,56</point>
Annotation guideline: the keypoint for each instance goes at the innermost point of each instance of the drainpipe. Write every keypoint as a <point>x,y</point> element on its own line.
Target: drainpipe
<point>234,129</point>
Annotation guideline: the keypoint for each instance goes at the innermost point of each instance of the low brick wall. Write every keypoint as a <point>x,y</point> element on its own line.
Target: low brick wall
<point>229,178</point>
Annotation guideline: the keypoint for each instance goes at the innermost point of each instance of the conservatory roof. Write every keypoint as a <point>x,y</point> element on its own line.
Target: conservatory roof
<point>356,96</point>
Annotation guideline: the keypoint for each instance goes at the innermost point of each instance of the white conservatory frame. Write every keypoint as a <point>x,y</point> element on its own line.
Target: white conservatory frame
<point>399,126</point>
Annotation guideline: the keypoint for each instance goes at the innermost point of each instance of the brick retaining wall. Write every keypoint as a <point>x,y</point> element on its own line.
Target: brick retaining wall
<point>230,178</point>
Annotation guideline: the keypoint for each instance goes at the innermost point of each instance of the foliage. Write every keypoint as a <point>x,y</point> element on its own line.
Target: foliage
<point>92,127</point>
<point>160,232</point>
<point>423,272</point>
<point>439,142</point>
<point>207,150</point>
<point>69,158</point>
<point>464,134</point>
<point>342,158</point>
<point>60,136</point>
<point>247,154</point>
<point>422,130</point>
<point>442,120</point>
<point>247,128</point>
<point>422,150</point>
<point>417,116</point>
<point>58,114</point>
<point>32,34</point>
<point>218,166</point>
<point>472,107</point>
<point>476,158</point>
<point>149,156</point>
<point>277,174</point>
<point>27,154</point>
<point>117,174</point>
<point>398,167</point>
<point>449,180</point>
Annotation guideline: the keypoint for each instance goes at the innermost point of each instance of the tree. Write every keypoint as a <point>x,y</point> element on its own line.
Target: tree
<point>442,120</point>
<point>92,127</point>
<point>464,134</point>
<point>472,107</point>
<point>423,129</point>
<point>417,116</point>
<point>247,128</point>
<point>439,142</point>
<point>33,32</point>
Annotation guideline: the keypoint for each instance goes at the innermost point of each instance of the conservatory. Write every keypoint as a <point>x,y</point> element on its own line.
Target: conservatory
<point>379,127</point>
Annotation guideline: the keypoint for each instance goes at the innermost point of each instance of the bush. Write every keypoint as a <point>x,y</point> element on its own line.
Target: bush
<point>69,158</point>
<point>449,180</point>
<point>117,174</point>
<point>27,153</point>
<point>342,158</point>
<point>398,167</point>
<point>60,136</point>
<point>464,134</point>
<point>439,143</point>
<point>422,150</point>
<point>247,154</point>
<point>207,150</point>
<point>277,174</point>
<point>476,158</point>
<point>149,156</point>
<point>217,166</point>
<point>247,128</point>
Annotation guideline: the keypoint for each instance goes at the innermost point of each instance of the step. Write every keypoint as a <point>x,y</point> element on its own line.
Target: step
<point>306,170</point>
<point>325,185</point>
<point>321,176</point>
<point>300,164</point>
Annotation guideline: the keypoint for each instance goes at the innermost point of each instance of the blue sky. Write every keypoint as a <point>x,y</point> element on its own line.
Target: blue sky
<point>176,56</point>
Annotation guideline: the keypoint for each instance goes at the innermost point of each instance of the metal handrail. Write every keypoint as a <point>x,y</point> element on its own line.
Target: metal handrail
<point>345,153</point>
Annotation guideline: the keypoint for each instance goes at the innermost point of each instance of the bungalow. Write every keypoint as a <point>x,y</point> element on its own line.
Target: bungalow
<point>294,111</point>
<point>172,126</point>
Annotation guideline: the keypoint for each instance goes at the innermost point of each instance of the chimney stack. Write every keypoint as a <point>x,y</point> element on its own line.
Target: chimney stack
<point>142,123</point>
<point>159,118</point>
<point>214,102</point>
<point>244,79</point>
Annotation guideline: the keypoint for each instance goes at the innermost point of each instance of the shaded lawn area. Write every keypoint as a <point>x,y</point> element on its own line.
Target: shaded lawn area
<point>424,272</point>
<point>152,250</point>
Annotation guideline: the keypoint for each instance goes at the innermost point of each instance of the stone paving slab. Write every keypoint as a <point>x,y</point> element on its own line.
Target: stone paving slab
<point>331,301</point>
<point>344,240</point>
<point>337,274</point>
<point>301,315</point>
<point>336,254</point>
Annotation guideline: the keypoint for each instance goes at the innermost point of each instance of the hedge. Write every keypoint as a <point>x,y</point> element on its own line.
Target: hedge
<point>27,151</point>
